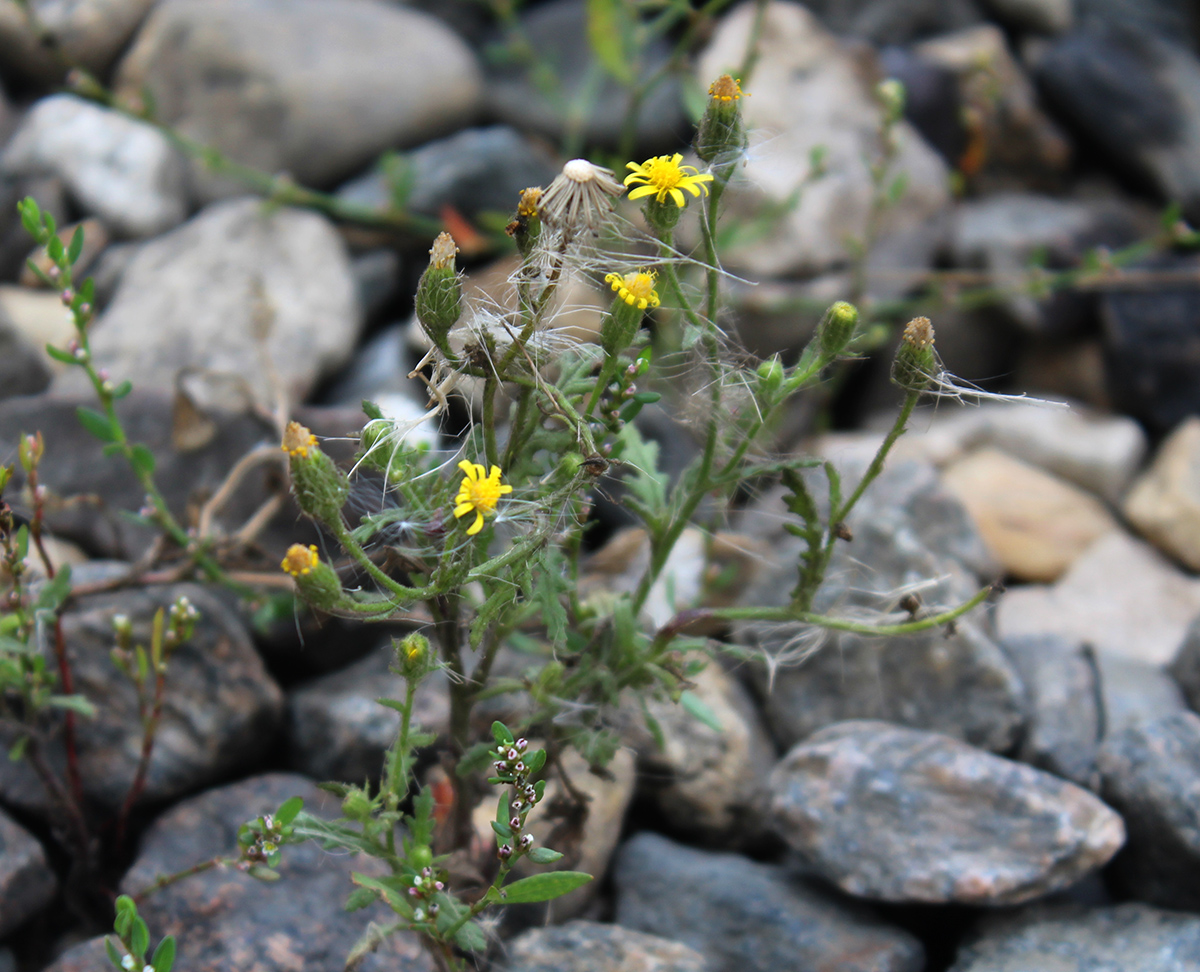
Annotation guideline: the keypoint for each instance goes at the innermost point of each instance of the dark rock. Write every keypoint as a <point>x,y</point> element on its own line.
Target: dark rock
<point>896,21</point>
<point>896,814</point>
<point>1185,668</point>
<point>1152,346</point>
<point>298,86</point>
<point>337,731</point>
<point>1152,778</point>
<point>74,464</point>
<point>931,100</point>
<point>1134,96</point>
<point>909,535</point>
<point>221,709</point>
<point>751,917</point>
<point>225,920</point>
<point>585,946</point>
<point>1038,16</point>
<point>232,286</point>
<point>558,31</point>
<point>479,170</point>
<point>1125,938</point>
<point>26,882</point>
<point>1174,20</point>
<point>1076,697</point>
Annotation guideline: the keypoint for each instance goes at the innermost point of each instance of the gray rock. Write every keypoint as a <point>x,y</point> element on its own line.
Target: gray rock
<point>8,961</point>
<point>336,729</point>
<point>1185,669</point>
<point>580,108</point>
<point>750,917</point>
<point>896,21</point>
<point>1174,20</point>
<point>909,535</point>
<point>896,814</point>
<point>1039,16</point>
<point>709,783</point>
<point>1135,692</point>
<point>221,708</point>
<point>1137,97</point>
<point>23,367</point>
<point>315,88</point>
<point>1125,938</point>
<point>479,170</point>
<point>121,170</point>
<point>218,290</point>
<point>226,920</point>
<point>91,33</point>
<point>810,91</point>
<point>585,946</point>
<point>27,884</point>
<point>1152,778</point>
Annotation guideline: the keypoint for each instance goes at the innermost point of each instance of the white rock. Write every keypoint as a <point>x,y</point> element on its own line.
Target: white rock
<point>808,91</point>
<point>122,170</point>
<point>215,293</point>
<point>1121,597</point>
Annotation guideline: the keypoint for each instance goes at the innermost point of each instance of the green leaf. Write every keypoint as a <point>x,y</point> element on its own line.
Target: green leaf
<point>697,707</point>
<point>142,460</point>
<point>502,813</point>
<point>73,703</point>
<point>503,831</point>
<point>359,898</point>
<point>536,760</point>
<point>371,410</point>
<point>76,246</point>
<point>543,887</point>
<point>544,855</point>
<point>391,897</point>
<point>470,938</point>
<point>139,938</point>
<point>31,216</point>
<point>288,809</point>
<point>18,749</point>
<point>474,759</point>
<point>122,389</point>
<point>22,542</point>
<point>63,357</point>
<point>610,36</point>
<point>95,423</point>
<point>55,249</point>
<point>264,874</point>
<point>501,734</point>
<point>164,955</point>
<point>54,594</point>
<point>394,704</point>
<point>113,955</point>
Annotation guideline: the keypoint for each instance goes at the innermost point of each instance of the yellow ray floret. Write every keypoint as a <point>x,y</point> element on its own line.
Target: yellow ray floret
<point>663,176</point>
<point>478,493</point>
<point>636,289</point>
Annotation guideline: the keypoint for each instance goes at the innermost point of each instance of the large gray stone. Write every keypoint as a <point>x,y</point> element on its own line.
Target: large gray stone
<point>896,814</point>
<point>233,283</point>
<point>26,882</point>
<point>809,91</point>
<point>750,917</point>
<point>221,709</point>
<point>121,170</point>
<point>1125,938</point>
<point>1152,777</point>
<point>90,33</point>
<point>315,88</point>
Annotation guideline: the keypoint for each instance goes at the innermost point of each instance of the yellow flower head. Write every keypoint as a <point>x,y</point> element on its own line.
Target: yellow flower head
<point>636,289</point>
<point>300,560</point>
<point>478,493</point>
<point>663,176</point>
<point>726,88</point>
<point>297,440</point>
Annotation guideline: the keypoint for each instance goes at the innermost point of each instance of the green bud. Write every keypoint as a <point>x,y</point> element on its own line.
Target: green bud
<point>915,364</point>
<point>891,96</point>
<point>356,805</point>
<point>439,294</point>
<point>319,486</point>
<point>771,374</point>
<point>414,656</point>
<point>317,582</point>
<point>526,227</point>
<point>721,135</point>
<point>837,328</point>
<point>5,475</point>
<point>662,216</point>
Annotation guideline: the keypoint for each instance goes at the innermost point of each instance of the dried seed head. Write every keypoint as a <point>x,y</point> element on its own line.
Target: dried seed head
<point>580,197</point>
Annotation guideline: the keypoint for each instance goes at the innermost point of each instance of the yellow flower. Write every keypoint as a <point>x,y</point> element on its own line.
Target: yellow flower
<point>725,88</point>
<point>663,176</point>
<point>300,560</point>
<point>478,493</point>
<point>636,289</point>
<point>297,440</point>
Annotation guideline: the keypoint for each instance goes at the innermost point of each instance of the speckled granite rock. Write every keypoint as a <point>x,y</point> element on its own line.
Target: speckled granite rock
<point>1152,778</point>
<point>1125,938</point>
<point>586,946</point>
<point>750,917</point>
<point>896,814</point>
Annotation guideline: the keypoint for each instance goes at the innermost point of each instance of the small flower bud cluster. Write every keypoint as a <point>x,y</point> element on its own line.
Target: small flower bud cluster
<point>260,843</point>
<point>425,887</point>
<point>514,765</point>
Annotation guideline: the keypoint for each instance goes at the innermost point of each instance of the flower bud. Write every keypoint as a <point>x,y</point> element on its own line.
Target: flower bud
<point>837,328</point>
<point>722,134</point>
<point>439,294</point>
<point>356,805</point>
<point>635,295</point>
<point>318,485</point>
<point>915,363</point>
<point>771,373</point>
<point>413,655</point>
<point>526,227</point>
<point>316,581</point>
<point>891,96</point>
<point>29,450</point>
